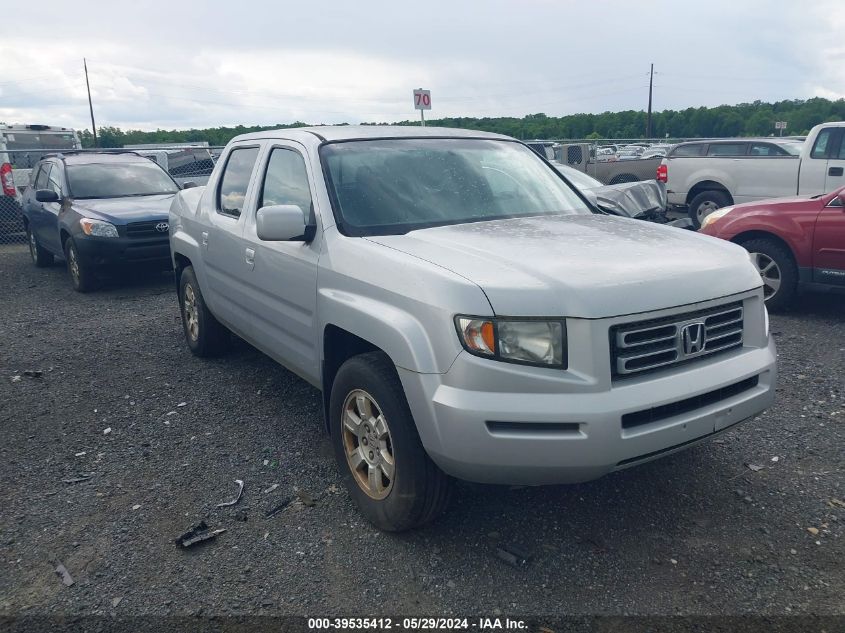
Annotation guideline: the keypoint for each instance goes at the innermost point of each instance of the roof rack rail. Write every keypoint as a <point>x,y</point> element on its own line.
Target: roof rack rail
<point>77,152</point>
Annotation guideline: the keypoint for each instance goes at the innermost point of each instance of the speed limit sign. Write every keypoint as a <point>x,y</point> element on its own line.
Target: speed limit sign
<point>422,99</point>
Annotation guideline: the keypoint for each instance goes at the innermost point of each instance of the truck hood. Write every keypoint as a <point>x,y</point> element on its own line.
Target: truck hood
<point>587,266</point>
<point>126,210</point>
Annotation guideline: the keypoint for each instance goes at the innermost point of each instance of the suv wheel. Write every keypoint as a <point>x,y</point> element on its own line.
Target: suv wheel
<point>205,335</point>
<point>383,463</point>
<point>81,275</point>
<point>777,270</point>
<point>40,256</point>
<point>706,203</point>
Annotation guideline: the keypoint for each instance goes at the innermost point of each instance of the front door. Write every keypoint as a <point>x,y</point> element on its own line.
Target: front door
<point>829,244</point>
<point>813,172</point>
<point>283,284</point>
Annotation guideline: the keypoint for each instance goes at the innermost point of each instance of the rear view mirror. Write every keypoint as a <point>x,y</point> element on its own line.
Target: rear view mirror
<point>280,223</point>
<point>46,195</point>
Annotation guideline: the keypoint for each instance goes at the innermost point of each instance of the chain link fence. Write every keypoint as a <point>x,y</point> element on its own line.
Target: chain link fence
<point>184,164</point>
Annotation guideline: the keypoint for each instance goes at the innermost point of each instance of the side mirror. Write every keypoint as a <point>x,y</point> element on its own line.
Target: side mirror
<point>189,185</point>
<point>46,195</point>
<point>280,223</point>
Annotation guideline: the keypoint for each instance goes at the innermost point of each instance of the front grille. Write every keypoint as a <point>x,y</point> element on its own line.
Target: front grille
<point>145,229</point>
<point>656,414</point>
<point>644,346</point>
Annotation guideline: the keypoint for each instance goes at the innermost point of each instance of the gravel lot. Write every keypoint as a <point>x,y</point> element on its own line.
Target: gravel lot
<point>696,533</point>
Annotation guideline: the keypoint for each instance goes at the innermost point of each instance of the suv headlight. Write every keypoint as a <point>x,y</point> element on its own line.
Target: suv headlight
<point>539,342</point>
<point>718,213</point>
<point>98,228</point>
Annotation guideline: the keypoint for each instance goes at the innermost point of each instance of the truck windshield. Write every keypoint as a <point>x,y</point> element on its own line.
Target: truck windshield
<point>118,180</point>
<point>392,186</point>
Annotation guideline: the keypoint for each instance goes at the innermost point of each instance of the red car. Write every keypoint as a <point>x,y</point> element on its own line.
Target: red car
<point>797,244</point>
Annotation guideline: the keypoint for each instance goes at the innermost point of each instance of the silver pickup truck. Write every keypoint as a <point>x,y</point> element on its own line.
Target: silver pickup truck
<point>465,311</point>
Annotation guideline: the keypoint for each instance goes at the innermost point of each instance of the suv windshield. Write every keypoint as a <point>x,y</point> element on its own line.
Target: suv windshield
<point>116,180</point>
<point>394,186</point>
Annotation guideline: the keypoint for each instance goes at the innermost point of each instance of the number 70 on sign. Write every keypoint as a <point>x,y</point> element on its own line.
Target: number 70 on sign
<point>422,99</point>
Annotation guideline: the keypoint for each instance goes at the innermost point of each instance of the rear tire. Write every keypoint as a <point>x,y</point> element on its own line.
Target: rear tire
<point>81,275</point>
<point>41,257</point>
<point>408,489</point>
<point>706,203</point>
<point>777,269</point>
<point>205,335</point>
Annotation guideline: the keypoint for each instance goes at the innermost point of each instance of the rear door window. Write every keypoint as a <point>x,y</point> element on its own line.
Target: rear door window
<point>235,181</point>
<point>766,149</point>
<point>689,150</point>
<point>727,149</point>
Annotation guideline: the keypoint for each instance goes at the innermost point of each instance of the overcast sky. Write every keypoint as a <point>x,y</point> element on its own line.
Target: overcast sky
<point>206,63</point>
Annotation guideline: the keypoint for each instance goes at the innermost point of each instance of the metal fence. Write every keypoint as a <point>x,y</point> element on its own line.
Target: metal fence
<point>184,164</point>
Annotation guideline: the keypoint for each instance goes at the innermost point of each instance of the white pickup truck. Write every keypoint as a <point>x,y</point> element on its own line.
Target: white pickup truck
<point>708,174</point>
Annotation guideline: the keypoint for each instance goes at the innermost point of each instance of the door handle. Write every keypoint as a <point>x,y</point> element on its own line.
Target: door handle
<point>835,171</point>
<point>249,257</point>
<point>205,238</point>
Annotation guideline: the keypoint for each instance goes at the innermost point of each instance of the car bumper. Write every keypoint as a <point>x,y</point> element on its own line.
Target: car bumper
<point>542,437</point>
<point>104,252</point>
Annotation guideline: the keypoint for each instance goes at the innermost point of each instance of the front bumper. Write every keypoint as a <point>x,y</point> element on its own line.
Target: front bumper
<point>492,422</point>
<point>105,252</point>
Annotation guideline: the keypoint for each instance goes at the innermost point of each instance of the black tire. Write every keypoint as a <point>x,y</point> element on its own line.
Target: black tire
<point>618,179</point>
<point>705,203</point>
<point>81,275</point>
<point>419,490</point>
<point>783,269</point>
<point>41,257</point>
<point>205,335</point>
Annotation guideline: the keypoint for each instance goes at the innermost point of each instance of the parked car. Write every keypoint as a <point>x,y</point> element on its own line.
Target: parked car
<point>638,200</point>
<point>464,311</point>
<point>797,244</point>
<point>707,175</point>
<point>19,151</point>
<point>98,211</point>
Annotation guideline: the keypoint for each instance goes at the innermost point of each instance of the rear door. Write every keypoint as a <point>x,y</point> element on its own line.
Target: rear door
<point>813,175</point>
<point>222,243</point>
<point>282,285</point>
<point>829,244</point>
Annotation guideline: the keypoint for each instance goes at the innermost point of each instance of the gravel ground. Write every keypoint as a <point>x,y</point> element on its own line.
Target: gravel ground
<point>695,533</point>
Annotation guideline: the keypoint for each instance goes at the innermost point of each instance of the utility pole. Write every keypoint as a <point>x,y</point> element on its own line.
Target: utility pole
<point>90,106</point>
<point>650,86</point>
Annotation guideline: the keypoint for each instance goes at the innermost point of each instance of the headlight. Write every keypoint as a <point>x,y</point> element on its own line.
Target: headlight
<point>718,213</point>
<point>98,228</point>
<point>525,341</point>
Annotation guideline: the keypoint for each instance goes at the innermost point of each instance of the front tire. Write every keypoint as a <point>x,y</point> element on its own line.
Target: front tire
<point>81,275</point>
<point>706,203</point>
<point>777,269</point>
<point>205,335</point>
<point>41,257</point>
<point>382,460</point>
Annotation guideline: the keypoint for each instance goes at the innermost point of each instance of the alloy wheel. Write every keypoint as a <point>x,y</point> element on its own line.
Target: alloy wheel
<point>73,263</point>
<point>368,445</point>
<point>769,272</point>
<point>705,209</point>
<point>191,312</point>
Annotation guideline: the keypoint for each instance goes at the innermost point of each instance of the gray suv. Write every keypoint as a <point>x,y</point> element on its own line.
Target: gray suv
<point>465,311</point>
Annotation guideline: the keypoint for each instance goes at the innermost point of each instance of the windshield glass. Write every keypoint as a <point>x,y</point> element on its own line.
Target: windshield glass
<point>394,186</point>
<point>116,180</point>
